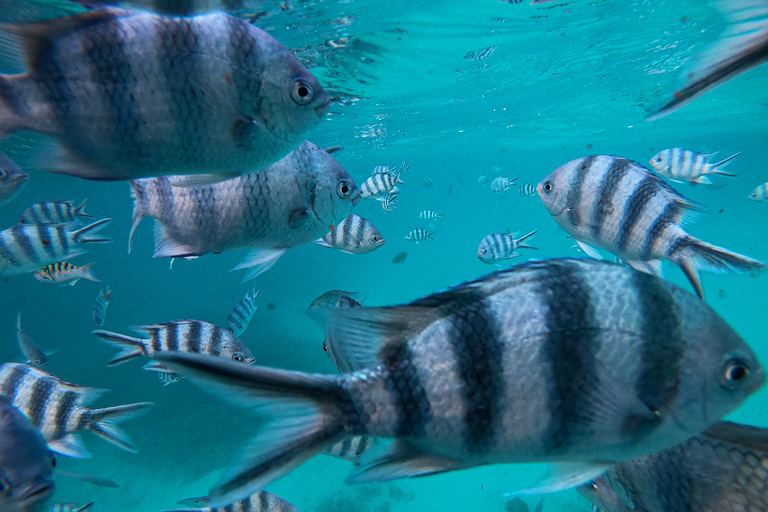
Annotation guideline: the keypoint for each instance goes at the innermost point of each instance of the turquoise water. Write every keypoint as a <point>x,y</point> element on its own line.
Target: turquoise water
<point>565,80</point>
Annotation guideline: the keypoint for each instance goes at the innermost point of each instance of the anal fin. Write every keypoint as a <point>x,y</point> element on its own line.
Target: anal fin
<point>259,261</point>
<point>400,460</point>
<point>70,446</point>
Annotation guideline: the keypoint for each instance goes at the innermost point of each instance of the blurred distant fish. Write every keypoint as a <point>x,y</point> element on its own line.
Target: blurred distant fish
<point>480,54</point>
<point>98,481</point>
<point>429,215</point>
<point>34,354</point>
<point>427,182</point>
<point>482,180</point>
<point>405,167</point>
<point>166,376</point>
<point>388,201</point>
<point>242,313</point>
<point>158,95</point>
<point>501,246</point>
<point>502,184</point>
<point>399,257</point>
<point>354,235</point>
<point>100,306</point>
<point>678,164</point>
<point>29,247</point>
<point>262,501</point>
<point>64,273</point>
<point>351,448</point>
<point>72,507</point>
<point>330,299</point>
<point>58,409</point>
<point>526,190</point>
<point>53,212</point>
<point>12,179</point>
<point>379,184</point>
<point>760,194</point>
<point>419,235</point>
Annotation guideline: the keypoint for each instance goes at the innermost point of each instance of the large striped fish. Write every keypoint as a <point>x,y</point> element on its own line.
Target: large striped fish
<point>262,501</point>
<point>567,361</point>
<point>722,469</point>
<point>29,247</point>
<point>290,203</point>
<point>12,179</point>
<point>58,409</point>
<point>622,207</point>
<point>128,94</point>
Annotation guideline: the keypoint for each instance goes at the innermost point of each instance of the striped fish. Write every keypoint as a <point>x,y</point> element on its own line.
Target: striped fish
<point>242,313</point>
<point>379,183</point>
<point>678,164</point>
<point>354,235</point>
<point>620,206</point>
<point>526,190</point>
<point>57,409</point>
<point>721,469</point>
<point>100,306</point>
<point>53,212</point>
<point>419,235</point>
<point>331,298</point>
<point>64,273</point>
<point>565,360</point>
<point>388,201</point>
<point>350,448</point>
<point>72,507</point>
<point>28,247</point>
<point>430,215</point>
<point>12,179</point>
<point>165,376</point>
<point>501,246</point>
<point>158,95</point>
<point>262,501</point>
<point>502,184</point>
<point>760,194</point>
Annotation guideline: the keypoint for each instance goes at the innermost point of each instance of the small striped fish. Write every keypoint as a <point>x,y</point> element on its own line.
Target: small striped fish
<point>620,206</point>
<point>28,247</point>
<point>350,448</point>
<point>419,235</point>
<point>57,409</point>
<point>381,169</point>
<point>610,364</point>
<point>502,184</point>
<point>100,306</point>
<point>388,200</point>
<point>71,507</point>
<point>165,376</point>
<point>526,190</point>
<point>242,313</point>
<point>678,164</point>
<point>53,212</point>
<point>760,194</point>
<point>405,167</point>
<point>501,246</point>
<point>354,235</point>
<point>262,501</point>
<point>64,273</point>
<point>430,215</point>
<point>379,184</point>
<point>193,336</point>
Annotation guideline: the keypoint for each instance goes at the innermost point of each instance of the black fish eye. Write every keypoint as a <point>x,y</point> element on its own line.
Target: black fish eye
<point>301,91</point>
<point>325,348</point>
<point>344,188</point>
<point>659,159</point>
<point>237,356</point>
<point>735,370</point>
<point>548,186</point>
<point>3,174</point>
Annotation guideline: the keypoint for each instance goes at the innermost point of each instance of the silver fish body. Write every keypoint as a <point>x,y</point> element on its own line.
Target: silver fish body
<point>53,212</point>
<point>380,183</point>
<point>526,190</point>
<point>64,273</point>
<point>502,184</point>
<point>679,164</point>
<point>241,314</point>
<point>26,464</point>
<point>563,360</point>
<point>72,507</point>
<point>262,501</point>
<point>290,203</point>
<point>100,306</point>
<point>330,299</point>
<point>429,215</point>
<point>354,235</point>
<point>12,179</point>
<point>497,247</point>
<point>419,235</point>
<point>57,409</point>
<point>620,206</point>
<point>760,194</point>
<point>137,94</point>
<point>28,247</point>
<point>34,354</point>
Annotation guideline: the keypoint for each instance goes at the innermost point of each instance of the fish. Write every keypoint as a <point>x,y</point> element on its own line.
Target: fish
<point>518,505</point>
<point>98,481</point>
<point>193,336</point>
<point>404,167</point>
<point>610,364</point>
<point>100,306</point>
<point>34,354</point>
<point>501,246</point>
<point>419,235</point>
<point>741,47</point>
<point>331,298</point>
<point>760,194</point>
<point>502,184</point>
<point>165,376</point>
<point>26,465</point>
<point>12,179</point>
<point>722,468</point>
<point>339,359</point>
<point>380,183</point>
<point>72,507</point>
<point>240,8</point>
<point>64,273</point>
<point>261,501</point>
<point>678,164</point>
<point>242,313</point>
<point>430,215</point>
<point>25,248</point>
<point>290,203</point>
<point>388,201</point>
<point>399,257</point>
<point>53,212</point>
<point>482,180</point>
<point>354,235</point>
<point>620,206</point>
<point>57,409</point>
<point>381,169</point>
<point>480,54</point>
<point>158,95</point>
<point>351,448</point>
<point>526,190</point>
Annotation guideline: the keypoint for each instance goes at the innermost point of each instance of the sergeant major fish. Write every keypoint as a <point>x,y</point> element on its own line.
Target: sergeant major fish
<point>678,164</point>
<point>609,364</point>
<point>53,212</point>
<point>100,306</point>
<point>58,409</point>
<point>501,246</point>
<point>526,190</point>
<point>502,184</point>
<point>419,235</point>
<point>26,464</point>
<point>137,94</point>
<point>388,200</point>
<point>354,235</point>
<point>290,203</point>
<point>64,273</point>
<point>241,314</point>
<point>29,247</point>
<point>760,194</point>
<point>380,183</point>
<point>12,179</point>
<point>261,501</point>
<point>620,206</point>
<point>429,215</point>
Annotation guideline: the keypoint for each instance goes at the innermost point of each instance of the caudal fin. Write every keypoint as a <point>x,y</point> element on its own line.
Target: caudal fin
<point>131,347</point>
<point>85,235</point>
<point>88,272</point>
<point>103,422</point>
<point>307,413</point>
<point>692,255</point>
<point>523,238</point>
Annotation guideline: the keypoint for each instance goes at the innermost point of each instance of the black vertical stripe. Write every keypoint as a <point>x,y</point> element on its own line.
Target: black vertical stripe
<point>230,508</point>
<point>172,337</point>
<point>11,383</point>
<point>245,55</point>
<point>63,409</point>
<point>154,339</point>
<point>575,190</point>
<point>214,347</point>
<point>404,385</point>
<point>21,238</point>
<point>667,218</point>
<point>44,235</point>
<point>263,503</point>
<point>346,444</point>
<point>570,348</point>
<point>634,209</point>
<point>193,337</point>
<point>63,237</point>
<point>609,186</point>
<point>38,400</point>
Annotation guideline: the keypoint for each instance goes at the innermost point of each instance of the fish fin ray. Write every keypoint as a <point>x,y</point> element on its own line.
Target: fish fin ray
<point>104,423</point>
<point>131,348</point>
<point>652,267</point>
<point>84,235</point>
<point>565,475</point>
<point>199,180</point>
<point>323,243</point>
<point>745,435</point>
<point>70,445</point>
<point>52,156</point>
<point>399,459</point>
<point>138,212</point>
<point>259,261</point>
<point>167,247</point>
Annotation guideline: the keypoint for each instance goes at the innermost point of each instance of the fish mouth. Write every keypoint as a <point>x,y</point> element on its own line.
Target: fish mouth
<point>380,242</point>
<point>355,198</point>
<point>20,178</point>
<point>36,494</point>
<point>321,109</point>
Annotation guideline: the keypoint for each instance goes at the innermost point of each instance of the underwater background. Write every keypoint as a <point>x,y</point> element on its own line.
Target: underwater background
<point>411,83</point>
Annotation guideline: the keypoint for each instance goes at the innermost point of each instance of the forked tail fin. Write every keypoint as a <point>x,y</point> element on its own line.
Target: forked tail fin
<point>102,422</point>
<point>86,235</point>
<point>131,348</point>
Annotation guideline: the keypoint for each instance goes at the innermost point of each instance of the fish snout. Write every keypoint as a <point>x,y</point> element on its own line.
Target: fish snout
<point>322,108</point>
<point>355,197</point>
<point>36,493</point>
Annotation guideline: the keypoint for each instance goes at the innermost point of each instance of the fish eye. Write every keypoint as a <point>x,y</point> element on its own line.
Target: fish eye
<point>53,462</point>
<point>659,159</point>
<point>548,186</point>
<point>5,485</point>
<point>237,356</point>
<point>345,188</point>
<point>734,371</point>
<point>325,348</point>
<point>3,174</point>
<point>301,91</point>
<point>374,238</point>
